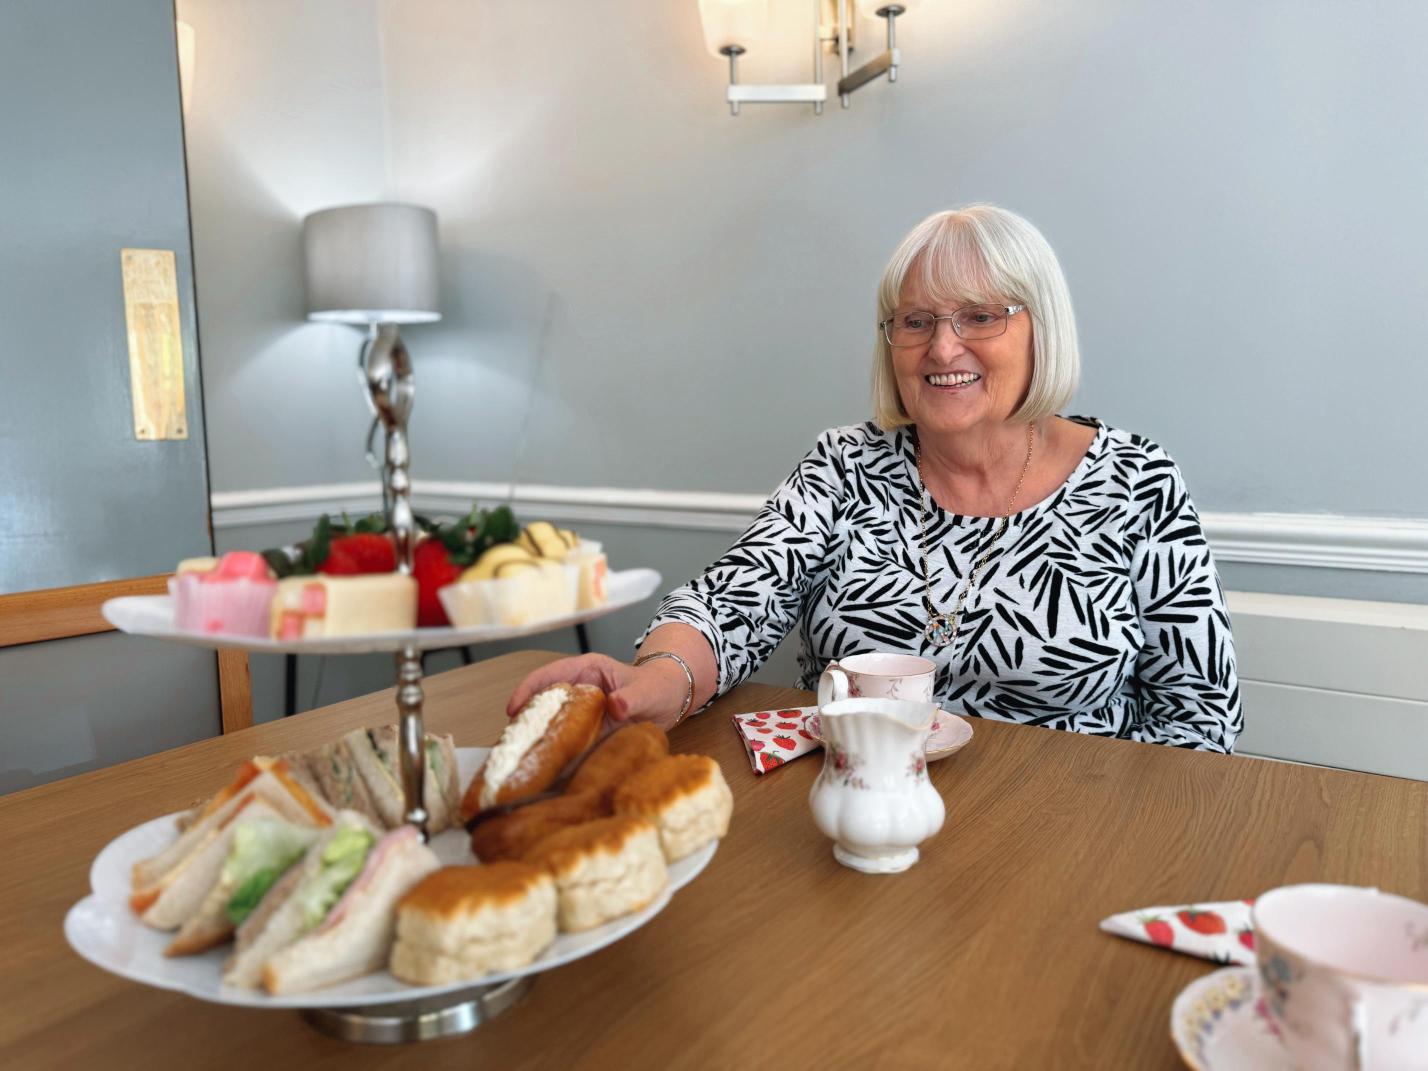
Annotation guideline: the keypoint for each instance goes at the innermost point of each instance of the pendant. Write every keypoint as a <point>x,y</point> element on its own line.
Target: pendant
<point>941,630</point>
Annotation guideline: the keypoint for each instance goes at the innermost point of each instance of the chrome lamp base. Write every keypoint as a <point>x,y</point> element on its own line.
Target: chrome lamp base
<point>419,1020</point>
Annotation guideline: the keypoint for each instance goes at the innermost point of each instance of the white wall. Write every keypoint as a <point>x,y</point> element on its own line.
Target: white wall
<point>680,299</point>
<point>287,116</point>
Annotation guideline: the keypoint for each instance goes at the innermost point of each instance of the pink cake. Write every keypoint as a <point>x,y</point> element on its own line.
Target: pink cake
<point>233,597</point>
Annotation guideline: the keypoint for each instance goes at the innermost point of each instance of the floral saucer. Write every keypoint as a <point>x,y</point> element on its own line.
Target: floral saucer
<point>1219,1023</point>
<point>950,733</point>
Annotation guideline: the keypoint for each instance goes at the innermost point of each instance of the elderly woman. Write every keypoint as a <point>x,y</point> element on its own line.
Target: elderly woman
<point>1053,567</point>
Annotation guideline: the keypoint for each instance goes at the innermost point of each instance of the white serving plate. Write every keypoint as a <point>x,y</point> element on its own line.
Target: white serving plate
<point>103,930</point>
<point>153,615</point>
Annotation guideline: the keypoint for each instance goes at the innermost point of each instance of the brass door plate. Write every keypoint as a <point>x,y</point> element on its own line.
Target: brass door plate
<point>151,313</point>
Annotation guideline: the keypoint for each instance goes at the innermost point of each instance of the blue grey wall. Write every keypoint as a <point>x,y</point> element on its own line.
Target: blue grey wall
<point>92,163</point>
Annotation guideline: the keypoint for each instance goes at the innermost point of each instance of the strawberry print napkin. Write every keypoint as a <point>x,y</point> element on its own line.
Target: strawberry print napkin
<point>774,737</point>
<point>1219,931</point>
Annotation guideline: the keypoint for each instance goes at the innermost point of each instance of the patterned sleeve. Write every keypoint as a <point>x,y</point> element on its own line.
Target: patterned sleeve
<point>1185,674</point>
<point>748,601</point>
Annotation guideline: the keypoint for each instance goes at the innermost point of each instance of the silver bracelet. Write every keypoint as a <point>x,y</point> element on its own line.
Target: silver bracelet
<point>688,676</point>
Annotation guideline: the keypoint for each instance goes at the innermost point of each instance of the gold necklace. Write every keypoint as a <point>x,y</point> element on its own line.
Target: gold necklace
<point>941,629</point>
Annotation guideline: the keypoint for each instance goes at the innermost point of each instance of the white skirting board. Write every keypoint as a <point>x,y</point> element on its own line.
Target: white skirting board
<point>1335,682</point>
<point>1352,732</point>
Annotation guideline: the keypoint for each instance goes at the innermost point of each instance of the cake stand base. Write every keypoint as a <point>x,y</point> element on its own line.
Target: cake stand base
<point>419,1020</point>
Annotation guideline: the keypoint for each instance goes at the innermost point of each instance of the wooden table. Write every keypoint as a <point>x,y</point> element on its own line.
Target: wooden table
<point>984,955</point>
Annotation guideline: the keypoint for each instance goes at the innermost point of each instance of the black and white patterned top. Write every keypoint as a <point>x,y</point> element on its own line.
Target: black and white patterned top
<point>1099,609</point>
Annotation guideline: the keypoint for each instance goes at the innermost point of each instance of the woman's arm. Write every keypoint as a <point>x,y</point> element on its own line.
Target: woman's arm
<point>652,692</point>
<point>1185,674</point>
<point>725,622</point>
<point>747,602</point>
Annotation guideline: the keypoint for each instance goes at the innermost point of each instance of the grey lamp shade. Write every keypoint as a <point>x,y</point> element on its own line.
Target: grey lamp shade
<point>371,264</point>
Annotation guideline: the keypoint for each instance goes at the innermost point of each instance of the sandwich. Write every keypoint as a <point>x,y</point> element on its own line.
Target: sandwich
<point>465,922</point>
<point>602,869</point>
<point>685,796</point>
<point>555,727</point>
<point>262,848</point>
<point>170,887</point>
<point>335,771</point>
<point>331,916</point>
<point>374,754</point>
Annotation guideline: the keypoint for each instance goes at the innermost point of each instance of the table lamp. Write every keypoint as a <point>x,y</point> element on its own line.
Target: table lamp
<point>374,265</point>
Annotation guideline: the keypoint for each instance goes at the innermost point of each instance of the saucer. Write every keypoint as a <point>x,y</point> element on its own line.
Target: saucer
<point>950,733</point>
<point>1219,1024</point>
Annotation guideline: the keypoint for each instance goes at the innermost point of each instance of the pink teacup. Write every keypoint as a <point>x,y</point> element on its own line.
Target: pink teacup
<point>1343,972</point>
<point>877,676</point>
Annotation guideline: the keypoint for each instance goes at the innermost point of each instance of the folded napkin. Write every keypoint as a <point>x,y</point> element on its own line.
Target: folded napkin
<point>773,737</point>
<point>1219,931</point>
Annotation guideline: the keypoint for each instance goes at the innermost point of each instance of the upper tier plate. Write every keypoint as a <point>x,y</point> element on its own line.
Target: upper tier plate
<point>153,615</point>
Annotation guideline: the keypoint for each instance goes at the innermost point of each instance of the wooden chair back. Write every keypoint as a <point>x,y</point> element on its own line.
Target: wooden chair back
<point>60,613</point>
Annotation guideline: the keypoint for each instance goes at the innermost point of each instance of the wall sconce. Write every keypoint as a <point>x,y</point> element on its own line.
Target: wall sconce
<point>732,27</point>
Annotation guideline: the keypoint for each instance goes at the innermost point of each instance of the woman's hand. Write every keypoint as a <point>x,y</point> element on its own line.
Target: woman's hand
<point>653,692</point>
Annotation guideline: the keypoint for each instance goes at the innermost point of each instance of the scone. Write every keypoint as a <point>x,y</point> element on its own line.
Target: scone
<point>602,869</point>
<point>685,796</point>
<point>512,835</point>
<point>617,757</point>
<point>470,921</point>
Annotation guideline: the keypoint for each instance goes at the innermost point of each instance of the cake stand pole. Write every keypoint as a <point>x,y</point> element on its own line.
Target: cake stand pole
<point>387,375</point>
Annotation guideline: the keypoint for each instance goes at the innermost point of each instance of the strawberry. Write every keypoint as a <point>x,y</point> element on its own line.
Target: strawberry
<point>1246,936</point>
<point>1159,931</point>
<point>766,732</point>
<point>768,762</point>
<point>805,734</point>
<point>432,568</point>
<point>788,743</point>
<point>366,552</point>
<point>790,713</point>
<point>1206,922</point>
<point>757,745</point>
<point>762,715</point>
<point>788,725</point>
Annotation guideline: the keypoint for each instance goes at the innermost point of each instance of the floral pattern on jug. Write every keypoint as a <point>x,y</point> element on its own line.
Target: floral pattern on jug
<point>843,768</point>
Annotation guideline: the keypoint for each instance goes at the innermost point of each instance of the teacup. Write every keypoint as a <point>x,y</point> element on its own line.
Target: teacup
<point>1344,975</point>
<point>878,676</point>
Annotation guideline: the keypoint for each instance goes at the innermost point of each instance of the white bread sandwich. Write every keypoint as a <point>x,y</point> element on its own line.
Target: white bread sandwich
<point>556,726</point>
<point>261,850</point>
<point>468,921</point>
<point>685,796</point>
<point>331,916</point>
<point>375,755</point>
<point>602,869</point>
<point>302,897</point>
<point>195,852</point>
<point>355,937</point>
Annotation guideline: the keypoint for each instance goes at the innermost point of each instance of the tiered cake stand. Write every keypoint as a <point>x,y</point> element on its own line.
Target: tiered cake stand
<point>387,371</point>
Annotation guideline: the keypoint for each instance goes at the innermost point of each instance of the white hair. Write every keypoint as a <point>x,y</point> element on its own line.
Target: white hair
<point>975,255</point>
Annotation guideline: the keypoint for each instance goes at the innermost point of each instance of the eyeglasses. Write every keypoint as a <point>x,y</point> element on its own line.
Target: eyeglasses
<point>972,321</point>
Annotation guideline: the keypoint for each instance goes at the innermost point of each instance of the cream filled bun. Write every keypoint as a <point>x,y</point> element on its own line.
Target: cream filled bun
<point>556,726</point>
